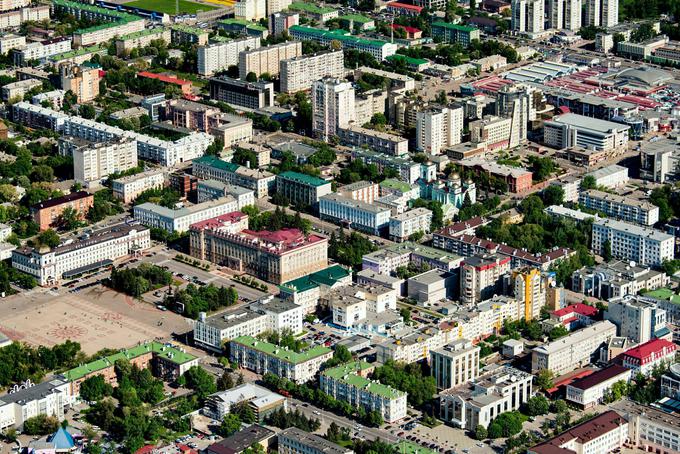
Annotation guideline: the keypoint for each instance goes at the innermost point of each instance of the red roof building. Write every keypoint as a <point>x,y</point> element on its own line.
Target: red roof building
<point>404,8</point>
<point>589,391</point>
<point>574,316</point>
<point>411,32</point>
<point>643,358</point>
<point>604,433</point>
<point>184,85</point>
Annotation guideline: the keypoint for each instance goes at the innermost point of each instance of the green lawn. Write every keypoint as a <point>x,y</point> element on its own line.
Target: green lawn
<point>168,6</point>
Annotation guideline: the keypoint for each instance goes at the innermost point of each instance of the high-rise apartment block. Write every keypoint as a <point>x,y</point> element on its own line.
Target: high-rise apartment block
<point>221,55</point>
<point>250,10</point>
<point>281,22</point>
<point>267,59</point>
<point>299,73</point>
<point>564,14</point>
<point>480,277</point>
<point>438,128</point>
<point>527,16</point>
<point>332,106</point>
<point>602,13</point>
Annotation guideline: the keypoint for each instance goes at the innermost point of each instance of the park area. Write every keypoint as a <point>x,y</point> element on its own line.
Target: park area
<point>168,6</point>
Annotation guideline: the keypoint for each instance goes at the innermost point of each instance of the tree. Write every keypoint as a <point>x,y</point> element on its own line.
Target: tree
<point>643,32</point>
<point>70,219</point>
<point>405,313</point>
<point>557,332</point>
<point>201,381</point>
<point>559,406</point>
<point>49,238</point>
<point>378,119</point>
<point>244,412</point>
<point>251,77</point>
<point>481,433</point>
<point>409,378</point>
<point>607,251</point>
<point>544,379</point>
<point>94,388</point>
<point>588,182</point>
<point>553,195</point>
<point>42,173</point>
<point>537,405</point>
<point>87,111</point>
<point>374,419</point>
<point>441,98</point>
<point>225,382</point>
<point>8,193</point>
<point>41,425</point>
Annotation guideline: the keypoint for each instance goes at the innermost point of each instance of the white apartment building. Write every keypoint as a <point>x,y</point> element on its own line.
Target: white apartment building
<point>494,132</point>
<point>212,168</point>
<point>105,32</point>
<point>261,400</point>
<point>589,391</point>
<point>232,129</point>
<point>91,252</point>
<point>364,191</point>
<point>296,441</point>
<point>94,161</point>
<point>348,383</point>
<point>602,13</point>
<point>487,317</point>
<point>528,16</point>
<point>616,279</point>
<point>642,245</point>
<point>15,18</point>
<point>262,357</point>
<point>518,103</point>
<point>11,41</point>
<point>142,39</point>
<point>376,140</point>
<point>358,306</point>
<point>637,318</point>
<point>213,189</point>
<point>575,350</point>
<point>455,364</point>
<point>503,389</point>
<point>38,116</point>
<point>8,5</point>
<point>332,107</point>
<point>128,188</point>
<point>413,346</point>
<point>406,224</point>
<point>17,90</point>
<point>179,220</point>
<point>272,314</point>
<point>300,72</point>
<point>651,429</point>
<point>480,276</point>
<point>564,14</point>
<point>573,130</point>
<point>359,215</point>
<point>250,10</point>
<point>41,50</point>
<point>29,400</point>
<point>267,59</point>
<point>612,176</point>
<point>55,99</point>
<point>620,207</point>
<point>438,128</point>
<point>216,57</point>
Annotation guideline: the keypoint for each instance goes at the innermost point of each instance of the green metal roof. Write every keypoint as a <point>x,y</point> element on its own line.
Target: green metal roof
<point>339,35</point>
<point>310,8</point>
<point>112,13</point>
<point>190,30</point>
<point>243,23</point>
<point>281,353</point>
<point>160,350</point>
<point>328,277</point>
<point>408,60</point>
<point>458,27</point>
<point>77,52</point>
<point>145,32</point>
<point>347,373</point>
<point>397,185</point>
<point>356,18</point>
<point>212,161</point>
<point>303,178</point>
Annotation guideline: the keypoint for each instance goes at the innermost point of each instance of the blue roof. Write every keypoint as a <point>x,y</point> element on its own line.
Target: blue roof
<point>62,439</point>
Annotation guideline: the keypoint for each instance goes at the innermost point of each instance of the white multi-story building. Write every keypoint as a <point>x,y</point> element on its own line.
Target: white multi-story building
<point>300,72</point>
<point>528,16</point>
<point>8,5</point>
<point>651,429</point>
<point>589,391</point>
<point>575,350</point>
<point>296,441</point>
<point>179,220</point>
<point>141,39</point>
<point>564,14</point>
<point>349,383</point>
<point>494,132</point>
<point>503,389</point>
<point>332,107</point>
<point>358,307</point>
<point>438,128</point>
<point>41,50</point>
<point>364,191</point>
<point>620,207</point>
<point>16,90</point>
<point>602,13</point>
<point>15,18</point>
<point>302,189</point>
<point>518,103</point>
<point>487,317</point>
<point>11,41</point>
<point>631,242</point>
<point>216,57</point>
<point>250,10</point>
<point>376,140</point>
<point>263,357</point>
<point>97,250</point>
<point>306,290</point>
<point>213,189</point>
<point>480,276</point>
<point>29,400</point>
<point>359,215</point>
<point>644,358</point>
<point>38,116</point>
<point>637,318</point>
<point>612,176</point>
<point>413,346</point>
<point>128,188</point>
<point>380,50</point>
<point>54,99</point>
<point>267,59</point>
<point>573,130</point>
<point>616,279</point>
<point>94,161</point>
<point>455,364</point>
<point>102,33</point>
<point>259,399</point>
<point>406,224</point>
<point>212,168</point>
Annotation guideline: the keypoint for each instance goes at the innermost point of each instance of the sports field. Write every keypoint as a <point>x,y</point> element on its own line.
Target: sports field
<point>168,6</point>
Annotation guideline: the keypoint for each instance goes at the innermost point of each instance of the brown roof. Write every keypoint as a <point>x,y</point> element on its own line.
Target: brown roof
<point>583,433</point>
<point>600,376</point>
<point>60,200</point>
